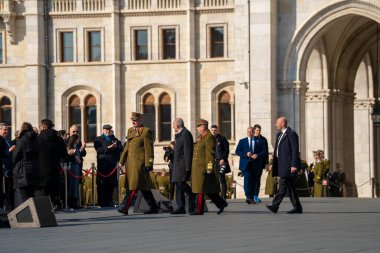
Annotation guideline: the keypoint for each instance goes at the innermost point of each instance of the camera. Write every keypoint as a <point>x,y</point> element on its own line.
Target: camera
<point>222,168</point>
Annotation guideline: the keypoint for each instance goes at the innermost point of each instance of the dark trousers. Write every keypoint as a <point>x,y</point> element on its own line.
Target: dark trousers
<point>2,194</point>
<point>22,194</point>
<point>9,193</point>
<point>181,189</point>
<point>258,182</point>
<point>218,201</point>
<point>250,181</point>
<point>105,194</point>
<point>284,184</point>
<point>223,185</point>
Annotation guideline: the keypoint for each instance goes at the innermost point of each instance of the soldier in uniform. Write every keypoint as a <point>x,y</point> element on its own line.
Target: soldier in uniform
<point>138,157</point>
<point>204,176</point>
<point>319,168</point>
<point>271,182</point>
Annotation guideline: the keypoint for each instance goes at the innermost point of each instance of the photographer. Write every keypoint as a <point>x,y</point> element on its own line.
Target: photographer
<point>168,157</point>
<point>221,158</point>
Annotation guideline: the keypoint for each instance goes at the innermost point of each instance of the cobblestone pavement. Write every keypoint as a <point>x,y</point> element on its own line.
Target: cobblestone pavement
<point>327,225</point>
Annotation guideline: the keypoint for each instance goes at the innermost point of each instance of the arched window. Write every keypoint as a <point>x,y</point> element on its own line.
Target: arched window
<point>224,110</point>
<point>6,114</point>
<point>90,118</point>
<point>75,116</point>
<point>165,117</point>
<point>149,112</point>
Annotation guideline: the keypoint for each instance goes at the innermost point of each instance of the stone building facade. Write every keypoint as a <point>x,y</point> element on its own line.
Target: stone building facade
<point>233,62</point>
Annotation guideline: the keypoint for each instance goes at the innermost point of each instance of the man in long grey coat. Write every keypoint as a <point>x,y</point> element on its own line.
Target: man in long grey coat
<point>183,155</point>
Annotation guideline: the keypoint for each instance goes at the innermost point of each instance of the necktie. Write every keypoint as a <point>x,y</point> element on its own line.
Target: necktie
<point>279,139</point>
<point>252,145</point>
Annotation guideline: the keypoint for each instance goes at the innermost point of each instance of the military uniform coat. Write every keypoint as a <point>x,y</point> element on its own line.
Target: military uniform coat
<point>203,159</point>
<point>270,184</point>
<point>138,154</point>
<point>319,168</point>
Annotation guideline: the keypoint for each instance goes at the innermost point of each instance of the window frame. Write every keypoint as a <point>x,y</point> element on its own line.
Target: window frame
<point>59,45</point>
<point>87,32</point>
<point>162,44</point>
<point>134,43</point>
<point>11,107</point>
<point>2,47</point>
<point>210,43</point>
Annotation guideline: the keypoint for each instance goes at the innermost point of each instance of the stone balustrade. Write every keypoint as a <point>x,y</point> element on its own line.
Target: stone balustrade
<point>78,5</point>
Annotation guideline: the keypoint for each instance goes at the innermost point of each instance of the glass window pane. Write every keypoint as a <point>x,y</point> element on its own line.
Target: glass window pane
<point>150,117</point>
<point>95,46</point>
<point>225,129</point>
<point>225,112</point>
<point>166,133</point>
<point>91,123</point>
<point>1,48</point>
<point>169,44</point>
<point>165,116</point>
<point>217,42</point>
<point>67,47</point>
<point>141,44</point>
<point>6,117</point>
<point>75,118</point>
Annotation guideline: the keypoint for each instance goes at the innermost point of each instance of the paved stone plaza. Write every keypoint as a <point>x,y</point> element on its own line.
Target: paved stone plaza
<point>327,225</point>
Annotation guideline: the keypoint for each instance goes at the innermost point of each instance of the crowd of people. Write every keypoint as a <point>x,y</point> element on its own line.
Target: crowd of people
<point>32,166</point>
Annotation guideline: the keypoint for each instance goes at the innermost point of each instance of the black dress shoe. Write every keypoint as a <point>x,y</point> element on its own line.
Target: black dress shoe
<point>123,211</point>
<point>179,211</point>
<point>222,208</point>
<point>248,201</point>
<point>294,210</point>
<point>272,208</point>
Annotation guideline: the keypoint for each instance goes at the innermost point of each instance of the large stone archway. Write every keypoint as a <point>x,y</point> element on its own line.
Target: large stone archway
<point>329,80</point>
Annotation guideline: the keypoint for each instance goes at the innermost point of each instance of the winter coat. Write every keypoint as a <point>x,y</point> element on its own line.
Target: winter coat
<point>137,155</point>
<point>52,151</point>
<point>26,160</point>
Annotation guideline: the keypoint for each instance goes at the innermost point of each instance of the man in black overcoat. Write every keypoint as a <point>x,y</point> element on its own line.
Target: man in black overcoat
<point>285,164</point>
<point>108,150</point>
<point>52,150</point>
<point>183,155</point>
<point>221,158</point>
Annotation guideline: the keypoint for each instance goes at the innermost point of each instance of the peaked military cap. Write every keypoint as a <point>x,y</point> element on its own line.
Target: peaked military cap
<point>135,116</point>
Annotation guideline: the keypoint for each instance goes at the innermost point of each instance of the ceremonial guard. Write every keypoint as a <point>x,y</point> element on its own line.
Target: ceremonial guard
<point>138,159</point>
<point>203,171</point>
<point>319,168</point>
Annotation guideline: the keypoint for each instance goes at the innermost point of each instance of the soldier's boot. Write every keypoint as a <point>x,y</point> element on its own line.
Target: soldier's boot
<point>153,207</point>
<point>200,205</point>
<point>127,202</point>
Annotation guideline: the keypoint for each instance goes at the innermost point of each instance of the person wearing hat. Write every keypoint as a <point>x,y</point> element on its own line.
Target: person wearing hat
<point>108,150</point>
<point>326,164</point>
<point>138,156</point>
<point>204,176</point>
<point>319,168</point>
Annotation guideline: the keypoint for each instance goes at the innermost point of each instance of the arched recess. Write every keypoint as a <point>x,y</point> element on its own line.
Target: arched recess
<point>336,97</point>
<point>223,91</point>
<point>10,100</point>
<point>161,95</point>
<point>88,98</point>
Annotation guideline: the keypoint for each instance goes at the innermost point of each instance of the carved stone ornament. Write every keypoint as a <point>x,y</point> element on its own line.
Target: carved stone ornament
<point>9,17</point>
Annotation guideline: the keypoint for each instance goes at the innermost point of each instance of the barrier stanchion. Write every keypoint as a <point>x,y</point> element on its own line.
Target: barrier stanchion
<point>373,187</point>
<point>93,184</point>
<point>66,166</point>
<point>118,184</point>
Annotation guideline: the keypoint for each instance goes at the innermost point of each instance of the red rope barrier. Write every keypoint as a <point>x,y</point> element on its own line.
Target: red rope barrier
<point>78,177</point>
<point>110,174</point>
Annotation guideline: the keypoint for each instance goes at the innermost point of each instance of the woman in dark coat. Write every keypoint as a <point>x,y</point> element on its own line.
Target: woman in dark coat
<point>26,173</point>
<point>75,171</point>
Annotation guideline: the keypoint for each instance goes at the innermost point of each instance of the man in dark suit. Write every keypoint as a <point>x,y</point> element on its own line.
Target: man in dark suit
<point>253,152</point>
<point>221,158</point>
<point>285,163</point>
<point>183,155</point>
<point>108,150</point>
<point>261,154</point>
